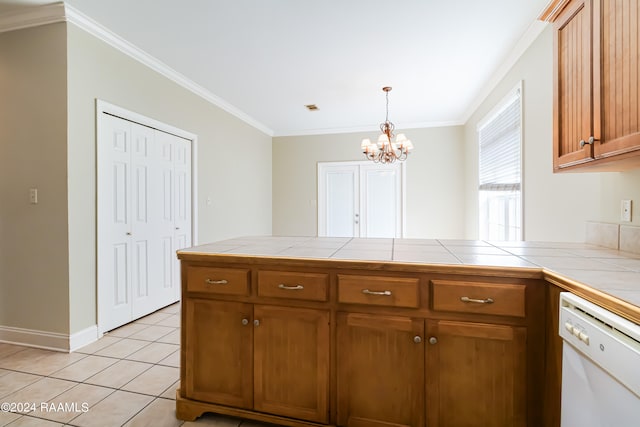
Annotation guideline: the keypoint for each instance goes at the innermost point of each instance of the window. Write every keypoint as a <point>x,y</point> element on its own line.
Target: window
<point>500,170</point>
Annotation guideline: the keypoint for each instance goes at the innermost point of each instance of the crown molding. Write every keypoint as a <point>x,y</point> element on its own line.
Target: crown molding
<point>357,129</point>
<point>533,31</point>
<point>553,9</point>
<point>61,12</point>
<point>32,17</point>
<point>92,27</point>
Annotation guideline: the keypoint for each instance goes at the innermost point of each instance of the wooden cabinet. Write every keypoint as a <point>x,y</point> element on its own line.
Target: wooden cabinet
<point>326,344</point>
<point>476,374</point>
<point>596,90</point>
<point>221,332</point>
<point>291,362</point>
<point>477,365</point>
<point>380,371</point>
<point>254,357</point>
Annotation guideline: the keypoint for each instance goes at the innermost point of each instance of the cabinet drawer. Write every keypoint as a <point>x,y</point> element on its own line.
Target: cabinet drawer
<point>226,281</point>
<point>377,290</point>
<point>483,298</point>
<point>292,285</point>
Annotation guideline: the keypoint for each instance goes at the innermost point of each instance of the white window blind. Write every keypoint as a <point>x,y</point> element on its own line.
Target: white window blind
<point>500,175</point>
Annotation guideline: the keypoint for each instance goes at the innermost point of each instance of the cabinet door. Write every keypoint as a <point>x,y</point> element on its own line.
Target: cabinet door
<point>620,52</point>
<point>576,116</point>
<point>476,375</point>
<point>217,340</point>
<point>291,362</point>
<point>380,364</point>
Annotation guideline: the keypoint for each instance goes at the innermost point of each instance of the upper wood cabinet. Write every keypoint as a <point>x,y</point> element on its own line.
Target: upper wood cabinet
<point>596,91</point>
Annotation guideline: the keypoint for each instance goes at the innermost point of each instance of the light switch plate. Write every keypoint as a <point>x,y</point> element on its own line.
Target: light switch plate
<point>33,196</point>
<point>625,210</point>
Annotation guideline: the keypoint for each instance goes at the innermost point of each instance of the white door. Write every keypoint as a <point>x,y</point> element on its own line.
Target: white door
<point>144,216</point>
<point>360,199</point>
<point>338,209</point>
<point>381,200</point>
<point>182,215</point>
<point>115,273</point>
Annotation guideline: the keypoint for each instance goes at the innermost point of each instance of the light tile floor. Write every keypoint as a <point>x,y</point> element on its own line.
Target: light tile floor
<point>127,378</point>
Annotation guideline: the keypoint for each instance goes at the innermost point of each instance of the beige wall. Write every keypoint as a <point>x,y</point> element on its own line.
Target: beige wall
<point>615,187</point>
<point>34,291</point>
<point>442,171</point>
<point>435,180</point>
<point>233,163</point>
<point>556,206</point>
<point>47,140</point>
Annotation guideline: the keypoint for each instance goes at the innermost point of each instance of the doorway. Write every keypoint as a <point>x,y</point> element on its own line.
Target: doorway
<point>361,199</point>
<point>144,214</point>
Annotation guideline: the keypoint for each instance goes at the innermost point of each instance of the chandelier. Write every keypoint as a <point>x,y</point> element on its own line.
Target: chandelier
<point>389,147</point>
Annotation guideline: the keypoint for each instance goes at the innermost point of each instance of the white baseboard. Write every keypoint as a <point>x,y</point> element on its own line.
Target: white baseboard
<point>84,337</point>
<point>48,340</point>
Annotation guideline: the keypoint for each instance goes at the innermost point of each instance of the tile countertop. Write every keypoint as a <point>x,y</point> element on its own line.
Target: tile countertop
<point>607,277</point>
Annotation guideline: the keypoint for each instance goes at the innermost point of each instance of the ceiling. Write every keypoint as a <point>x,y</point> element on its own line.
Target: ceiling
<point>269,58</point>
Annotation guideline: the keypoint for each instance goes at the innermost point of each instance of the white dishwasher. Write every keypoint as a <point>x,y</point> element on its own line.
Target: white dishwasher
<point>600,366</point>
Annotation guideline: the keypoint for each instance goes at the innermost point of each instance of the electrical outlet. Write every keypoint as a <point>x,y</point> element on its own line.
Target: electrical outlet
<point>625,210</point>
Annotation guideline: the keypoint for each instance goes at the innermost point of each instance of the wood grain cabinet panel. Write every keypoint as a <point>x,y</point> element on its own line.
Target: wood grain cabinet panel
<point>479,298</point>
<point>217,345</point>
<point>574,105</point>
<point>222,281</point>
<point>293,285</point>
<point>380,371</point>
<point>291,362</point>
<point>378,290</point>
<point>411,351</point>
<point>476,375</point>
<point>596,90</point>
<point>619,53</point>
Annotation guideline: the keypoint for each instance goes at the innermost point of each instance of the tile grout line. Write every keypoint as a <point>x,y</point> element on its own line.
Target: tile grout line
<point>154,396</point>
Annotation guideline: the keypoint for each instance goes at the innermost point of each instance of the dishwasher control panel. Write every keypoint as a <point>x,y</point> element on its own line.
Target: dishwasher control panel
<point>609,340</point>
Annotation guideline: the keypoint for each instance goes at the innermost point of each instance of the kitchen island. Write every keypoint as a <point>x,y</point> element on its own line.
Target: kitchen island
<point>304,331</point>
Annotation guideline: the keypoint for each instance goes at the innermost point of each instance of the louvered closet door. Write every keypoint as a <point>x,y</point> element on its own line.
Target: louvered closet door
<point>144,216</point>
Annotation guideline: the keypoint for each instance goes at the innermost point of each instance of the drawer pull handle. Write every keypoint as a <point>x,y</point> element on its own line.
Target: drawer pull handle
<point>216,282</point>
<point>382,293</point>
<point>479,301</point>
<point>290,288</point>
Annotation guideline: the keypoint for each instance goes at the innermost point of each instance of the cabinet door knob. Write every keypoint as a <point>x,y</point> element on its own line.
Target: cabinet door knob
<point>590,141</point>
<point>417,339</point>
<point>256,322</point>
<point>433,340</point>
<point>245,322</point>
